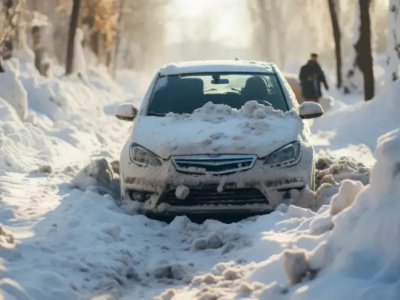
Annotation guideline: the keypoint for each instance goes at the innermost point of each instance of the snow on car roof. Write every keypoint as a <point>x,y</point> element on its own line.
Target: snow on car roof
<point>206,66</point>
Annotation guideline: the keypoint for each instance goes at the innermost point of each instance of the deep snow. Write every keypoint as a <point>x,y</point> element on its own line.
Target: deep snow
<point>254,129</point>
<point>64,237</point>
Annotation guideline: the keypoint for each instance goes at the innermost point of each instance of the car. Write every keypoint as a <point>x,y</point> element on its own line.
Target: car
<point>216,138</point>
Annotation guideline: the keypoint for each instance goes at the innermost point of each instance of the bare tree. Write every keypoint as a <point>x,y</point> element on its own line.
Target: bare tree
<point>364,50</point>
<point>362,65</point>
<point>394,40</point>
<point>270,38</point>
<point>9,26</point>
<point>142,32</point>
<point>71,36</point>
<point>98,17</point>
<point>118,34</point>
<point>333,10</point>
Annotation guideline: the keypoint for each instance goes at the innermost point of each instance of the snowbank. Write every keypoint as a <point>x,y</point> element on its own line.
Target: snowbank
<point>348,250</point>
<point>58,242</point>
<point>361,253</point>
<point>333,169</point>
<point>45,120</point>
<point>72,241</point>
<point>25,147</point>
<point>11,88</point>
<point>361,123</point>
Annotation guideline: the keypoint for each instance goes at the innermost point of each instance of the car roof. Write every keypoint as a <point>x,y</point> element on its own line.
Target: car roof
<point>209,66</point>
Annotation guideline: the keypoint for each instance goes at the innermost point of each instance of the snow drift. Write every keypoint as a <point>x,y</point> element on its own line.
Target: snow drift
<point>362,250</point>
<point>45,120</point>
<point>348,250</point>
<point>218,128</point>
<point>60,242</point>
<point>361,123</point>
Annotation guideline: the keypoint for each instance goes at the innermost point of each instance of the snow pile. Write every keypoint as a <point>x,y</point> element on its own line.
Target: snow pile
<point>212,242</point>
<point>360,122</point>
<point>99,177</point>
<point>11,88</point>
<point>347,192</point>
<point>347,250</point>
<point>218,128</point>
<point>361,253</point>
<point>24,146</point>
<point>332,169</point>
<point>182,192</point>
<point>44,119</point>
<point>6,237</point>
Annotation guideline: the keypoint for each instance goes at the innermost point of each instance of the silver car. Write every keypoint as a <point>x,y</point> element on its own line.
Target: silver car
<point>216,137</point>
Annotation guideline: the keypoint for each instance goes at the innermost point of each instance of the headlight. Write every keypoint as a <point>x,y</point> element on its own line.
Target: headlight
<point>143,157</point>
<point>286,155</point>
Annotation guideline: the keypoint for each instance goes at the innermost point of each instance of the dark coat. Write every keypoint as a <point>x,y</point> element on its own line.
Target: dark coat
<point>311,77</point>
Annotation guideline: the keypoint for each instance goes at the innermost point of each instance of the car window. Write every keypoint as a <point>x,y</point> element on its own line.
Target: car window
<point>183,94</point>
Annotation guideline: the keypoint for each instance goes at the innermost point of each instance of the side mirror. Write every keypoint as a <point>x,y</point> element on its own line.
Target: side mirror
<point>126,112</point>
<point>310,110</point>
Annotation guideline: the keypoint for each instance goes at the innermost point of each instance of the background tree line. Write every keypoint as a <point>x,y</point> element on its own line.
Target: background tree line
<point>113,30</point>
<point>131,33</point>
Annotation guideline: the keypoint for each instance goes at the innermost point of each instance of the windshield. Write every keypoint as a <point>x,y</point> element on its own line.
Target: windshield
<point>182,94</point>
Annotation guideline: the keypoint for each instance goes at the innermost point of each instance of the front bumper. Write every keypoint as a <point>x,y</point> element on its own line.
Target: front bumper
<point>251,192</point>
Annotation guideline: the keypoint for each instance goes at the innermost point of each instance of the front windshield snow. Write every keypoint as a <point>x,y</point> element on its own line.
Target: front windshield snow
<point>182,94</point>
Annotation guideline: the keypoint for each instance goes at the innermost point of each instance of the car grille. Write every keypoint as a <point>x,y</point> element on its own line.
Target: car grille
<point>211,196</point>
<point>217,165</point>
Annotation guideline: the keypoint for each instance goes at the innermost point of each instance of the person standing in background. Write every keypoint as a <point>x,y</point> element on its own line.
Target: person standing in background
<point>311,76</point>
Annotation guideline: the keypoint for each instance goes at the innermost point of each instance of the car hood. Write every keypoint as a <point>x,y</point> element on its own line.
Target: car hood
<point>218,129</point>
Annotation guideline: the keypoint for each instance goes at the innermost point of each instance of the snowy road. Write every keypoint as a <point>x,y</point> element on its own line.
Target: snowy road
<point>58,242</point>
<point>70,243</point>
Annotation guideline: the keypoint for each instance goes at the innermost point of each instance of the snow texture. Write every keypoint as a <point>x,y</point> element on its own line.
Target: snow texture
<point>182,192</point>
<point>98,177</point>
<point>12,89</point>
<point>295,265</point>
<point>216,66</point>
<point>355,253</point>
<point>332,169</point>
<point>62,242</point>
<point>258,129</point>
<point>79,62</point>
<point>347,192</point>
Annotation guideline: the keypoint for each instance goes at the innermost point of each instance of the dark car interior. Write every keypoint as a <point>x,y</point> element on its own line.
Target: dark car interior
<point>183,95</point>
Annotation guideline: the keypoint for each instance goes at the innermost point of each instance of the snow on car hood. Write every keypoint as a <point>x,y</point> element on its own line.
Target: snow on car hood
<point>218,129</point>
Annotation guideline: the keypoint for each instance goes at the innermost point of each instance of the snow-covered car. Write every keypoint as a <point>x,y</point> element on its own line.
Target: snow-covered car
<point>216,137</point>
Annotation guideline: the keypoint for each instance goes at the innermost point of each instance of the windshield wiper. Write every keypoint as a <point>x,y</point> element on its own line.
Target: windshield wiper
<point>156,114</point>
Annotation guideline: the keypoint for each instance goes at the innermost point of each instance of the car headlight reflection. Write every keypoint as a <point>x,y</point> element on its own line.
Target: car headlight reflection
<point>143,157</point>
<point>286,155</point>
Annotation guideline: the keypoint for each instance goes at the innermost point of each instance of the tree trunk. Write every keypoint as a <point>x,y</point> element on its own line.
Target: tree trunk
<point>118,35</point>
<point>394,41</point>
<point>71,36</point>
<point>259,11</point>
<point>363,50</point>
<point>95,37</point>
<point>337,38</point>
